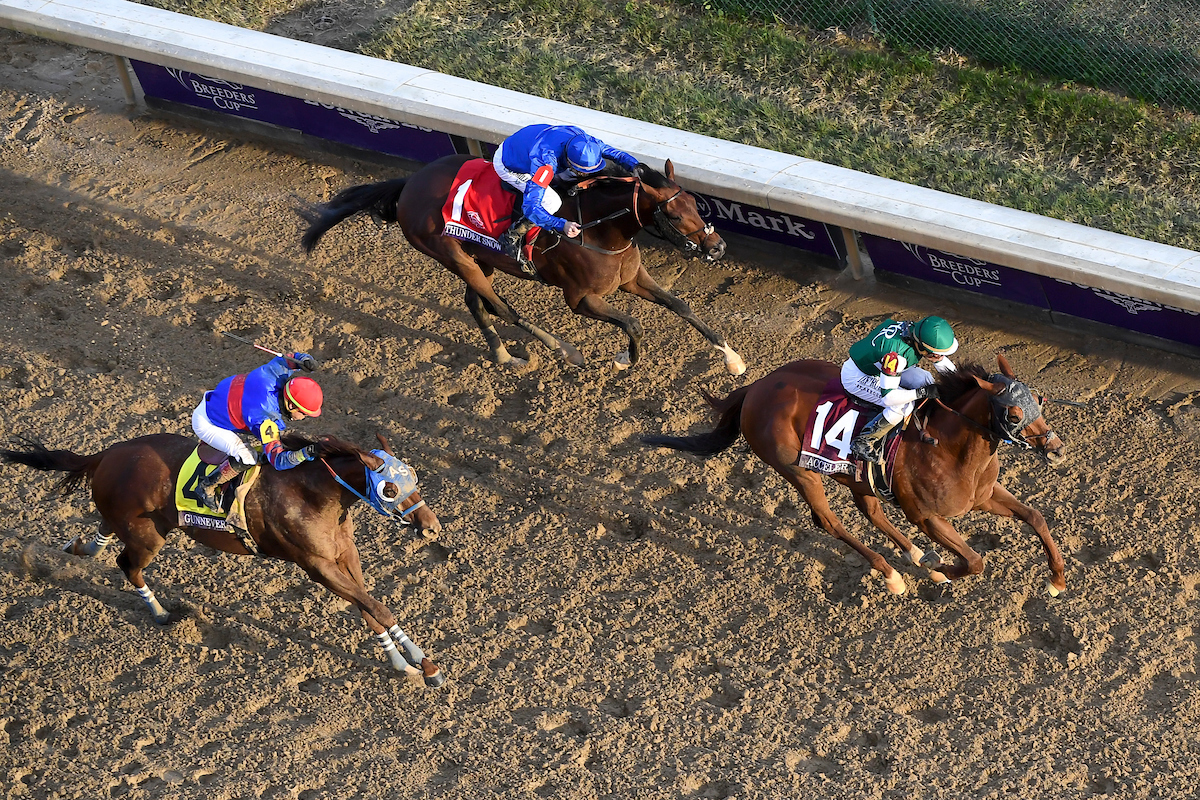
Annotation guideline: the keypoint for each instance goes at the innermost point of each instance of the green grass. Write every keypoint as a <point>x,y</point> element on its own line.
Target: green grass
<point>999,136</point>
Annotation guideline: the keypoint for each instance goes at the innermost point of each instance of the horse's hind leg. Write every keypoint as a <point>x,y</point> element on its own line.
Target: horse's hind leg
<point>596,307</point>
<point>1003,503</point>
<point>102,539</point>
<point>647,288</point>
<point>142,543</point>
<point>345,580</point>
<point>872,509</point>
<point>813,491</point>
<point>483,319</point>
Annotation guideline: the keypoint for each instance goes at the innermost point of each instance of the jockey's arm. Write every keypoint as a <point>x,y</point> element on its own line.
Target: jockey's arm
<point>279,457</point>
<point>620,156</point>
<point>531,205</point>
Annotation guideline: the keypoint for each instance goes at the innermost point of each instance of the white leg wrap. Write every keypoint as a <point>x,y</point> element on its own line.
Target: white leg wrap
<point>389,650</point>
<point>412,653</point>
<point>98,543</point>
<point>160,613</point>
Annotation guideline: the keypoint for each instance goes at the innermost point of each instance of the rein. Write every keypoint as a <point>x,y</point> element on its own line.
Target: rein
<point>997,438</point>
<point>371,502</point>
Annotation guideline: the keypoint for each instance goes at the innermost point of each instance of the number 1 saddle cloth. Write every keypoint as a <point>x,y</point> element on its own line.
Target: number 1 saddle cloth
<point>479,206</point>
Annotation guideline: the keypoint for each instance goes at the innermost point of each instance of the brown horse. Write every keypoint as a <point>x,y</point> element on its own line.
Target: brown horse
<point>605,258</point>
<point>298,515</point>
<point>945,471</point>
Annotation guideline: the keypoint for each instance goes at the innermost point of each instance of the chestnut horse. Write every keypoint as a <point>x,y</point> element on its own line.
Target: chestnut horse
<point>612,210</point>
<point>298,515</point>
<point>945,471</point>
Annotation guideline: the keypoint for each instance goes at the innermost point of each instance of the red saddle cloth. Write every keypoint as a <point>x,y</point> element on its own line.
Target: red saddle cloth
<point>479,206</point>
<point>831,429</point>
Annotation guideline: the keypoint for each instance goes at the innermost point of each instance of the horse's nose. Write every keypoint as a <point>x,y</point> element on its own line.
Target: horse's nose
<point>1056,451</point>
<point>718,250</point>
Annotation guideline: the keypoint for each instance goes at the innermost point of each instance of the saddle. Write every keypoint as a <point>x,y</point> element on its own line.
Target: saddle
<point>479,207</point>
<point>194,514</point>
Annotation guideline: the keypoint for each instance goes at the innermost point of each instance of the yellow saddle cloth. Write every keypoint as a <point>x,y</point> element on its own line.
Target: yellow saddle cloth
<point>193,513</point>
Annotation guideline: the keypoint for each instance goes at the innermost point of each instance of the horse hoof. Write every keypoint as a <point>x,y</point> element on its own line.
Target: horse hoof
<point>733,362</point>
<point>162,619</point>
<point>431,674</point>
<point>570,354</point>
<point>622,362</point>
<point>938,578</point>
<point>895,584</point>
<point>931,560</point>
<point>1053,590</point>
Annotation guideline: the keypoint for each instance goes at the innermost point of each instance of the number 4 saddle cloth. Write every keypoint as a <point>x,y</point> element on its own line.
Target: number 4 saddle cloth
<point>479,207</point>
<point>835,421</point>
<point>194,514</point>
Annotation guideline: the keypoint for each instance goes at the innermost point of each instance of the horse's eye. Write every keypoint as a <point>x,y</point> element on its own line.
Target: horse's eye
<point>1014,415</point>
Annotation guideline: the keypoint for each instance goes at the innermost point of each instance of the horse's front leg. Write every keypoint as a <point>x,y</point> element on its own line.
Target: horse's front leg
<point>1004,504</point>
<point>401,651</point>
<point>942,532</point>
<point>596,307</point>
<point>872,509</point>
<point>647,288</point>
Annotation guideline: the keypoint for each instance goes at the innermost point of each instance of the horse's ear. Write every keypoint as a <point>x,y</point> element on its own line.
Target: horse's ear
<point>988,386</point>
<point>1005,368</point>
<point>669,171</point>
<point>383,443</point>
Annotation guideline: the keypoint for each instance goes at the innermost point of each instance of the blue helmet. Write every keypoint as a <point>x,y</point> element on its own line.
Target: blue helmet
<point>583,155</point>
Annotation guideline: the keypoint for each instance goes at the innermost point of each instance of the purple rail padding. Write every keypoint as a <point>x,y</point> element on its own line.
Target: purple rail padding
<point>772,226</point>
<point>1123,311</point>
<point>340,125</point>
<point>937,266</point>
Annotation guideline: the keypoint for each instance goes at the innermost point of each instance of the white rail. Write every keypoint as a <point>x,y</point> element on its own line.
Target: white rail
<point>784,183</point>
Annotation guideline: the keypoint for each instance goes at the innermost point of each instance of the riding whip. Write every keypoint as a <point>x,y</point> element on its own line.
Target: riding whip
<point>252,344</point>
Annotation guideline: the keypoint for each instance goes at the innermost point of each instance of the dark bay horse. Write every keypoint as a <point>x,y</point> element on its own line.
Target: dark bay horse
<point>946,472</point>
<point>612,210</point>
<point>298,515</point>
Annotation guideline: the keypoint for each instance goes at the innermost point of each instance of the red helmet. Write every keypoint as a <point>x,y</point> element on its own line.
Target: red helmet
<point>305,394</point>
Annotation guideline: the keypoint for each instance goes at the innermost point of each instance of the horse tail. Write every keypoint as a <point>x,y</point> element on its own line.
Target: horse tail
<point>378,198</point>
<point>34,454</point>
<point>722,437</point>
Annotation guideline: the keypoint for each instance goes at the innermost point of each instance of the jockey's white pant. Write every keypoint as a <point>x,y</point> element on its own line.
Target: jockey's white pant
<point>224,440</point>
<point>550,200</point>
<point>898,403</point>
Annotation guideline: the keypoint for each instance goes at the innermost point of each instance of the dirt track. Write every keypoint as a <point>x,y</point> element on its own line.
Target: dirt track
<point>614,621</point>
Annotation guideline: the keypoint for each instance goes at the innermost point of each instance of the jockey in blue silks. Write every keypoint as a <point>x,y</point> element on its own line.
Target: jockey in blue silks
<point>256,404</point>
<point>530,158</point>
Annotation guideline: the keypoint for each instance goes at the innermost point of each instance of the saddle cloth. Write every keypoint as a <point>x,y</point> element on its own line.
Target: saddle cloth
<point>832,426</point>
<point>194,514</point>
<point>479,206</point>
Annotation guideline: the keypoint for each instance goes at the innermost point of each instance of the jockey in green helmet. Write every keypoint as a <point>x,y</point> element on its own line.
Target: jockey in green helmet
<point>883,370</point>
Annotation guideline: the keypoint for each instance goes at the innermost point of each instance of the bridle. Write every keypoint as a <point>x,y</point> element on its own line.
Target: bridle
<point>999,428</point>
<point>662,227</point>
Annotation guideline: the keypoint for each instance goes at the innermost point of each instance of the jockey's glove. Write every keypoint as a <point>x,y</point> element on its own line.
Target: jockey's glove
<point>309,452</point>
<point>302,361</point>
<point>929,390</point>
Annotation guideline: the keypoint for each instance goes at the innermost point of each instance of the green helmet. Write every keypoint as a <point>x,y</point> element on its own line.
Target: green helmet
<point>935,335</point>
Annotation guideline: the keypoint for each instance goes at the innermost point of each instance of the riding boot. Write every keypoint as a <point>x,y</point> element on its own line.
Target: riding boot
<point>206,487</point>
<point>868,445</point>
<point>512,241</point>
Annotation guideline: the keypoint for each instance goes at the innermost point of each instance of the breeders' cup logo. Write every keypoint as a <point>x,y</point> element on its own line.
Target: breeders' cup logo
<point>223,94</point>
<point>476,220</point>
<point>1133,305</point>
<point>371,122</point>
<point>962,270</point>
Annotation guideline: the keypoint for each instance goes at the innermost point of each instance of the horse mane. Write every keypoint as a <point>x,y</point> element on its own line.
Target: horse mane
<point>652,177</point>
<point>327,446</point>
<point>953,385</point>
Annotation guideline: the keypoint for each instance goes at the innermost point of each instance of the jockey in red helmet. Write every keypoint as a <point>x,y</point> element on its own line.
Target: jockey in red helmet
<point>530,158</point>
<point>259,403</point>
<point>883,370</point>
